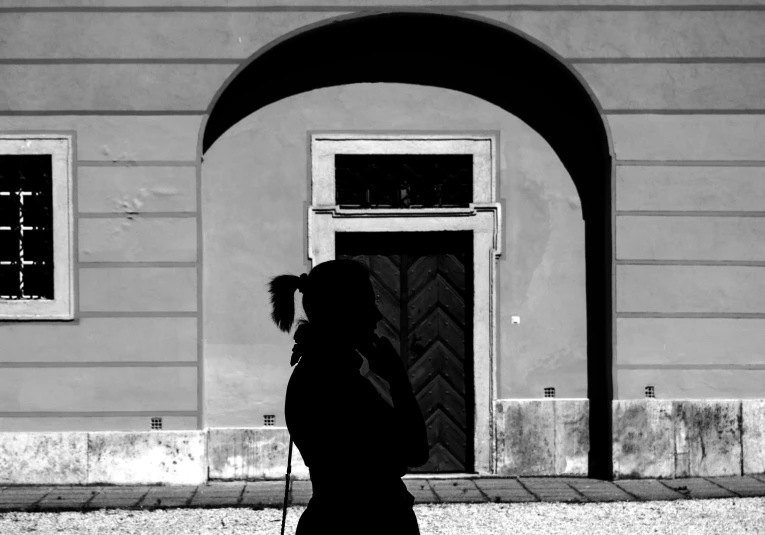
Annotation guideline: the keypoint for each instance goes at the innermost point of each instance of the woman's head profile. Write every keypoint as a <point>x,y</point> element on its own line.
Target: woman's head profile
<point>337,297</point>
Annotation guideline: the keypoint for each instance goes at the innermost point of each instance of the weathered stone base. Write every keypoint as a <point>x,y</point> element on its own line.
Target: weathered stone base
<point>652,438</point>
<point>117,458</point>
<point>542,437</point>
<point>688,437</point>
<point>252,453</point>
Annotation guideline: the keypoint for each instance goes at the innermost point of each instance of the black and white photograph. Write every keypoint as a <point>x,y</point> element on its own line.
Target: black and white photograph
<point>382,267</point>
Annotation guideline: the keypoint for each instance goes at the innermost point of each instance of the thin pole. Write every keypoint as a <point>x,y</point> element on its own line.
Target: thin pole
<point>287,486</point>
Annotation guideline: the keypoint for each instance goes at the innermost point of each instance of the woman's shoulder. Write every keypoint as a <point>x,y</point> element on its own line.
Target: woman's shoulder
<point>309,375</point>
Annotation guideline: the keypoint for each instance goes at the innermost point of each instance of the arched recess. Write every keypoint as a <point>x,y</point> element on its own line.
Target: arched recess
<point>488,61</point>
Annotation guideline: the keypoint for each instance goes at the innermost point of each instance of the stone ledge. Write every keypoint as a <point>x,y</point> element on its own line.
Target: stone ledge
<point>542,437</point>
<point>651,438</point>
<point>643,438</point>
<point>164,457</point>
<point>252,453</point>
<point>753,435</point>
<point>43,458</point>
<point>680,438</point>
<point>91,458</point>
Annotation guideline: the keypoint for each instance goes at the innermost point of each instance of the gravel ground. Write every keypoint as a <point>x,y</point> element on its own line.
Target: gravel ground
<point>692,517</point>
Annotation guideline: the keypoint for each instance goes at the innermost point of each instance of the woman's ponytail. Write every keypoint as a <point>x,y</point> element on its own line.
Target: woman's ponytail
<point>282,289</point>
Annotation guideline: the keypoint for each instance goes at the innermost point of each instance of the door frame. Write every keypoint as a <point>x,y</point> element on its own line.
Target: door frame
<point>483,217</point>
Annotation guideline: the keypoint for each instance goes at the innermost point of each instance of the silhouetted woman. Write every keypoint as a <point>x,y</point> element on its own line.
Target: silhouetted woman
<point>350,408</point>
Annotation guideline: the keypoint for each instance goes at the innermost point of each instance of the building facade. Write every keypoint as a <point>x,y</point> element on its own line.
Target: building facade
<point>562,205</point>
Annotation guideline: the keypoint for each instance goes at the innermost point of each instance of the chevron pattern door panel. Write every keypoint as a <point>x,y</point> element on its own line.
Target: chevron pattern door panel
<point>423,284</point>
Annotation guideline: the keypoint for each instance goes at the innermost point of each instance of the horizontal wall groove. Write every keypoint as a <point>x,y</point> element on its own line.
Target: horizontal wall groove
<point>136,163</point>
<point>664,60</point>
<point>130,215</point>
<point>688,111</point>
<point>123,61</point>
<point>397,7</point>
<point>94,414</point>
<point>688,213</point>
<point>143,112</point>
<point>105,364</point>
<point>89,113</point>
<point>98,265</point>
<point>690,163</point>
<point>140,314</point>
<point>745,263</point>
<point>692,315</point>
<point>238,60</point>
<point>690,366</point>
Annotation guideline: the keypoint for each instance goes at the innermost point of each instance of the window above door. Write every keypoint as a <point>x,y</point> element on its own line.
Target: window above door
<point>376,181</point>
<point>402,171</point>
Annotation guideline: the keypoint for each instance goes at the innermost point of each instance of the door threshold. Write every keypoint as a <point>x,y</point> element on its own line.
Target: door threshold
<point>441,475</point>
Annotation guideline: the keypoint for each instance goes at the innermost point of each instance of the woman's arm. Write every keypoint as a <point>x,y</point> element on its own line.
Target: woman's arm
<point>413,440</point>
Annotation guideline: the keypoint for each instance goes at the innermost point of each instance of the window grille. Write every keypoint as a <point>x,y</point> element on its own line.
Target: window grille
<point>156,423</point>
<point>26,227</point>
<point>403,180</point>
<point>549,392</point>
<point>269,419</point>
<point>649,393</point>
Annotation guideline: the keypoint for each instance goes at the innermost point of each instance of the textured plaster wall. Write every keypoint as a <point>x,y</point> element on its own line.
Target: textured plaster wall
<point>255,186</point>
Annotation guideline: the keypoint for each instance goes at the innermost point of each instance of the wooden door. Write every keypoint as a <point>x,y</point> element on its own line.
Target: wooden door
<point>423,285</point>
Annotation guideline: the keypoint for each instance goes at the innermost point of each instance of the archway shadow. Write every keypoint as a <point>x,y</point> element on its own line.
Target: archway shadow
<point>489,62</point>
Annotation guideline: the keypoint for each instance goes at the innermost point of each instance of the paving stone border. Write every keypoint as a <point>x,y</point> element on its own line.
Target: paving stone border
<point>262,494</point>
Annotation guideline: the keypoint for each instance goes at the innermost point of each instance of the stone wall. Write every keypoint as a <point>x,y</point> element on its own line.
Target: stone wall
<point>110,458</point>
<point>688,438</point>
<point>653,438</point>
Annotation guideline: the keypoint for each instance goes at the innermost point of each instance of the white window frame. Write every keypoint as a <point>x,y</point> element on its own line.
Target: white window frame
<point>482,216</point>
<point>61,307</point>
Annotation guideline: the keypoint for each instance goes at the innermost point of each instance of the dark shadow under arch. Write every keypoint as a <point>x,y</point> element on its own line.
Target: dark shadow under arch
<point>491,63</point>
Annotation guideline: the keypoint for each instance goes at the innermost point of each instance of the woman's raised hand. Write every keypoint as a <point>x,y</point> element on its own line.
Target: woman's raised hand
<point>385,361</point>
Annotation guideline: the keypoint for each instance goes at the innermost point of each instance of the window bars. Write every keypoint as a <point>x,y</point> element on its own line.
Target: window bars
<point>269,419</point>
<point>156,423</point>
<point>26,227</point>
<point>403,180</point>
<point>550,392</point>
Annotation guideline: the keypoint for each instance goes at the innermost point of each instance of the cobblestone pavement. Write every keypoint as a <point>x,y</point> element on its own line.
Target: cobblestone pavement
<point>263,494</point>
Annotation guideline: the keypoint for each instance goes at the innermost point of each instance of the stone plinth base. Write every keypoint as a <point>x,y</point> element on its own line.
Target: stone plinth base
<point>116,458</point>
<point>652,438</point>
<point>675,438</point>
<point>542,437</point>
<point>252,453</point>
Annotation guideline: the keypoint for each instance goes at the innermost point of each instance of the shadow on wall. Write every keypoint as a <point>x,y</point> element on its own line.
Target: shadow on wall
<point>254,225</point>
<point>551,100</point>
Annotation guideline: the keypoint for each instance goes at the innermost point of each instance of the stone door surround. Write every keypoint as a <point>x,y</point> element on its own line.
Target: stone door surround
<point>482,217</point>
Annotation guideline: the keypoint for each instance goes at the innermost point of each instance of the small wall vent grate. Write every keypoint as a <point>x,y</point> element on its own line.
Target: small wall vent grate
<point>269,419</point>
<point>550,392</point>
<point>649,393</point>
<point>156,423</point>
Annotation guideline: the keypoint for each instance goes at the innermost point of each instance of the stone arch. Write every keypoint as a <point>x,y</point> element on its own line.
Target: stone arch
<point>486,60</point>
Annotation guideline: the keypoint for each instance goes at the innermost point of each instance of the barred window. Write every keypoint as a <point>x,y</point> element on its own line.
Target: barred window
<point>403,180</point>
<point>26,227</point>
<point>36,279</point>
